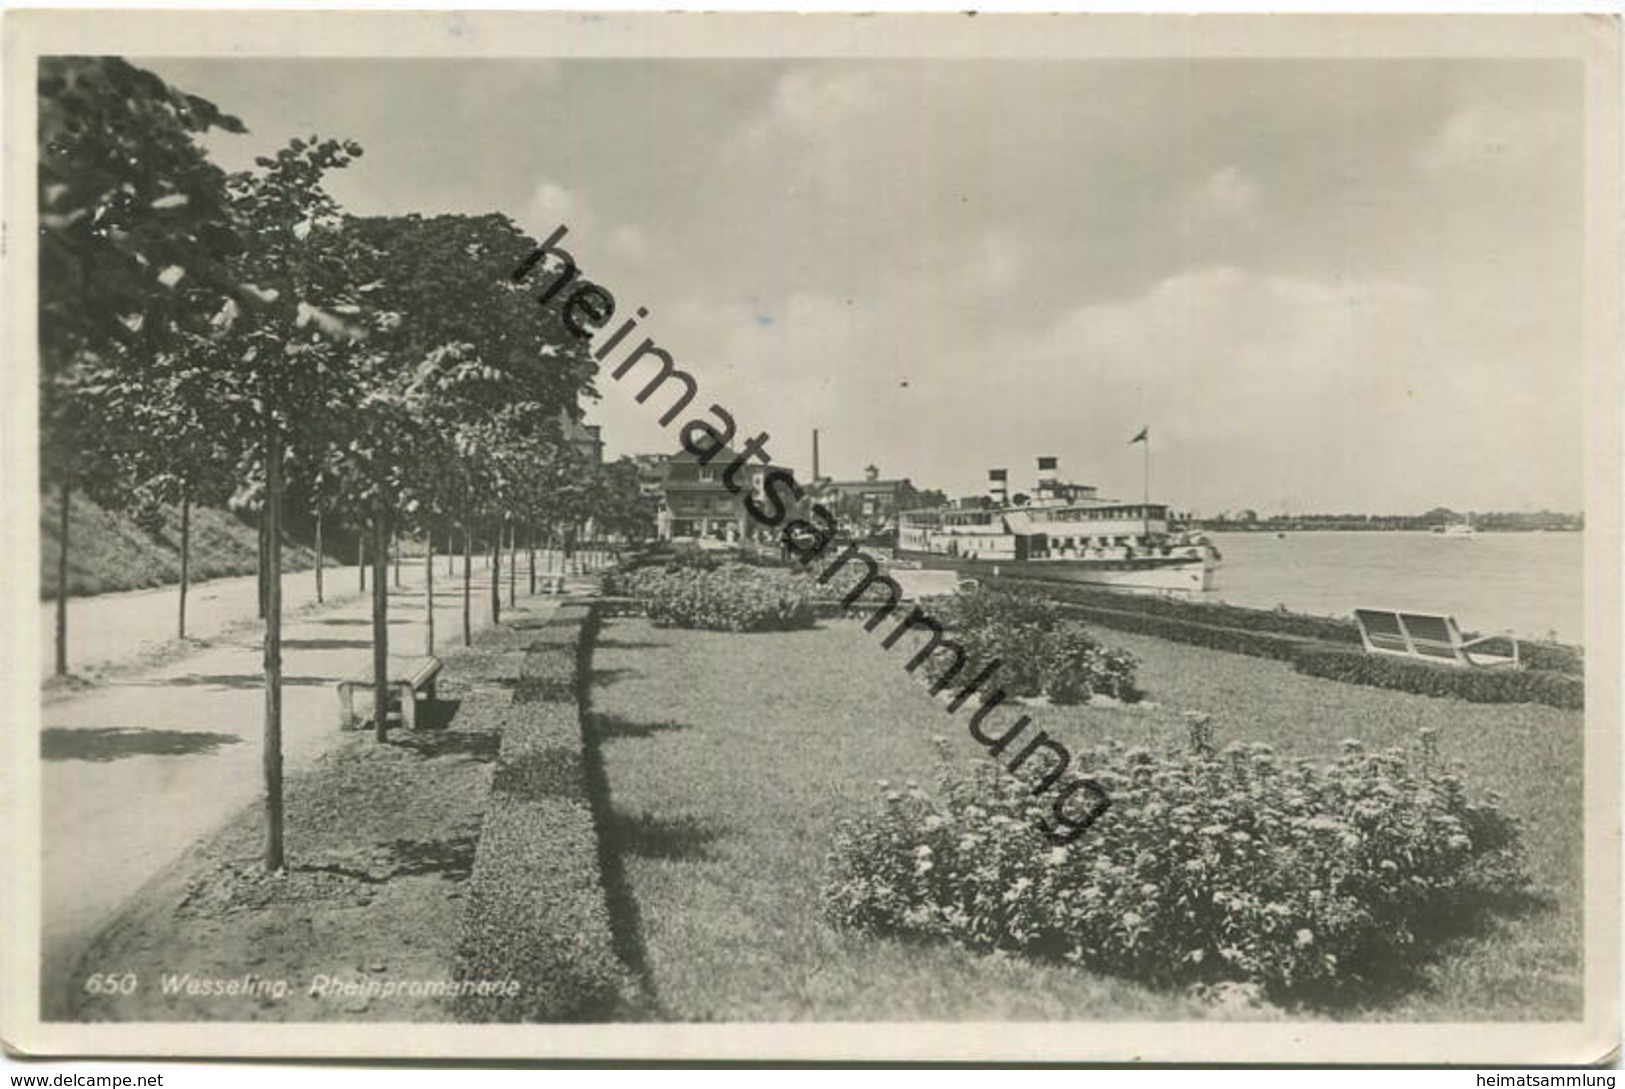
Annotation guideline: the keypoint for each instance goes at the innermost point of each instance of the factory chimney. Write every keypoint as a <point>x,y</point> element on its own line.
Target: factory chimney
<point>815,456</point>
<point>998,487</point>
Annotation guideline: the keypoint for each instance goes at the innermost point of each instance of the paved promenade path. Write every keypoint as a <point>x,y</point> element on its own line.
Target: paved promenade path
<point>110,628</point>
<point>138,768</point>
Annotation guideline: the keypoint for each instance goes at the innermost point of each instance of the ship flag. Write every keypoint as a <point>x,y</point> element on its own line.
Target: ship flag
<point>1143,436</point>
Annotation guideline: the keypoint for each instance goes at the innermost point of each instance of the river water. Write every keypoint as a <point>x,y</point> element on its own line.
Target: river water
<point>1529,583</point>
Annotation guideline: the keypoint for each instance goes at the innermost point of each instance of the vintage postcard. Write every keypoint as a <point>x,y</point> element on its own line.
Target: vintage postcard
<point>892,537</point>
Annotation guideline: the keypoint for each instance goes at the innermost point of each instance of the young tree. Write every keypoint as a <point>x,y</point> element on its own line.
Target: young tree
<point>287,335</point>
<point>174,438</point>
<point>617,503</point>
<point>491,370</point>
<point>133,231</point>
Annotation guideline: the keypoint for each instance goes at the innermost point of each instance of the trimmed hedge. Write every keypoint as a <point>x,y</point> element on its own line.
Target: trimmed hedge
<point>1474,685</point>
<point>1210,613</point>
<point>537,910</point>
<point>1353,665</point>
<point>1258,644</point>
<point>1557,657</point>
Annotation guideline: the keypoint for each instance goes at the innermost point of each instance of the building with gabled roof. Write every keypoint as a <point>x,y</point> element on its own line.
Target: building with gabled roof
<point>696,503</point>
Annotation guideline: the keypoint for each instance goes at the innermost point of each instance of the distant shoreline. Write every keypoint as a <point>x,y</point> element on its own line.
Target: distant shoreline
<point>1363,527</point>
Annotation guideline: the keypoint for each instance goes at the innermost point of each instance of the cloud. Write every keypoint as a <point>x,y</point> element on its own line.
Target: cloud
<point>628,243</point>
<point>551,204</point>
<point>1491,137</point>
<point>813,101</point>
<point>1370,394</point>
<point>999,262</point>
<point>1225,194</point>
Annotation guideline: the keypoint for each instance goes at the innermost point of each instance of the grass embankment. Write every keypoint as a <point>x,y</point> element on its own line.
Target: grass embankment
<point>730,759</point>
<point>381,844</point>
<point>108,551</point>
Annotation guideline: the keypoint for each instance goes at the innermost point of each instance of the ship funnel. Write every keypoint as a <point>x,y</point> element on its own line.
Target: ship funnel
<point>998,487</point>
<point>1047,468</point>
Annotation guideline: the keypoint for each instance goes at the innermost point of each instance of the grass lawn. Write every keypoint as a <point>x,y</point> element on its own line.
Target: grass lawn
<point>730,759</point>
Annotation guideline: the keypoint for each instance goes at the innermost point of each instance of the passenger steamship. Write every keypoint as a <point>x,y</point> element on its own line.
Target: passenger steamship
<point>1063,532</point>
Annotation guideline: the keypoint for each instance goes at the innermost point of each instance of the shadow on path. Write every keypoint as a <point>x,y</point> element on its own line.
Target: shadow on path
<point>225,680</point>
<point>452,858</point>
<point>119,742</point>
<point>326,644</point>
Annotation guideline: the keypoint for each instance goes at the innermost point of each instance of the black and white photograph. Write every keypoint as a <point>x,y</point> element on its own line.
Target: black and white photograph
<point>897,537</point>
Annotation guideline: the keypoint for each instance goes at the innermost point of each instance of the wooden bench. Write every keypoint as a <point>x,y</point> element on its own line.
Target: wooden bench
<point>1427,636</point>
<point>407,677</point>
<point>923,583</point>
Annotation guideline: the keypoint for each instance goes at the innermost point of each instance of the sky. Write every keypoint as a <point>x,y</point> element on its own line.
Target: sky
<point>1330,285</point>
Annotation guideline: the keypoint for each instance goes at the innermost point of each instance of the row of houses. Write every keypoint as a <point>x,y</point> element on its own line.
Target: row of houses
<point>693,501</point>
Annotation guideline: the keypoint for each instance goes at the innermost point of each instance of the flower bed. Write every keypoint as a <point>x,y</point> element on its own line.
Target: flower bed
<point>1044,652</point>
<point>1308,884</point>
<point>620,579</point>
<point>734,597</point>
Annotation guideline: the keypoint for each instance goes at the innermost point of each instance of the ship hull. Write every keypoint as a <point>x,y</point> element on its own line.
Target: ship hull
<point>1167,575</point>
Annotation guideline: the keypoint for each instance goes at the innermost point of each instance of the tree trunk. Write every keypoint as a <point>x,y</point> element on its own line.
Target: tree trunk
<point>186,557</point>
<point>451,551</point>
<point>428,592</point>
<point>496,577</point>
<point>271,515</point>
<point>397,561</point>
<point>62,584</point>
<point>264,552</point>
<point>361,556</point>
<point>530,548</point>
<point>380,625</point>
<point>320,558</point>
<point>468,588</point>
<point>513,562</point>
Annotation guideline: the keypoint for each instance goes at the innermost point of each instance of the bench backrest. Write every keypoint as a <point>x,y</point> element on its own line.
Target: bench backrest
<point>402,670</point>
<point>1425,635</point>
<point>1433,636</point>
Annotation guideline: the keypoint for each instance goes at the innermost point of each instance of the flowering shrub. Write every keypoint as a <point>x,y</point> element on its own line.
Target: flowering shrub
<point>1230,868</point>
<point>1044,652</point>
<point>731,598</point>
